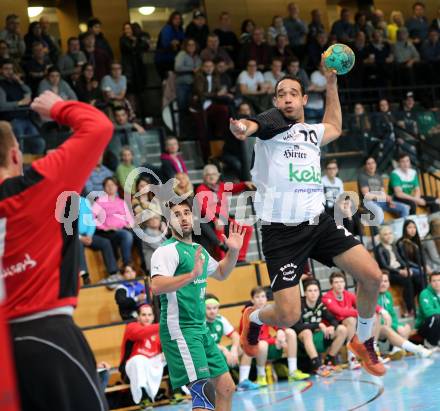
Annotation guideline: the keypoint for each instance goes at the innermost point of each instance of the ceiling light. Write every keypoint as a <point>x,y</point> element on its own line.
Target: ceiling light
<point>146,11</point>
<point>34,11</point>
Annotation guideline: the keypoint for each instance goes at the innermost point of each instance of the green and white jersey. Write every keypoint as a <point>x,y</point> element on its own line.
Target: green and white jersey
<point>219,327</point>
<point>408,180</point>
<point>182,310</point>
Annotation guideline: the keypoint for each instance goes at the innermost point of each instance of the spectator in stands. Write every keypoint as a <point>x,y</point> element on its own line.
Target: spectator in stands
<point>213,51</point>
<point>225,76</point>
<point>99,59</point>
<point>36,68</point>
<point>431,245</point>
<point>172,161</point>
<point>256,50</point>
<point>410,249</point>
<point>56,84</point>
<point>168,44</point>
<point>430,52</point>
<point>389,259</point>
<point>94,27</point>
<point>34,35</point>
<point>436,21</point>
<point>277,28</point>
<point>407,118</point>
<point>125,167</point>
<point>372,189</point>
<point>154,231</point>
<point>315,25</point>
<point>122,121</point>
<point>14,94</point>
<point>227,38</point>
<point>144,200</point>
<point>11,34</point>
<point>315,48</point>
<point>359,123</point>
<point>274,75</point>
<point>293,68</point>
<point>360,70</point>
<point>318,330</point>
<point>343,29</point>
<point>114,220</point>
<point>141,357</point>
<point>428,315</point>
<point>187,63</point>
<point>296,30</point>
<point>130,294</point>
<point>362,24</point>
<point>247,28</point>
<point>404,187</point>
<point>417,24</point>
<point>383,128</point>
<point>396,22</point>
<point>87,87</point>
<point>198,29</point>
<point>253,88</point>
<point>54,49</point>
<point>4,51</point>
<point>74,58</point>
<point>218,327</point>
<point>87,238</point>
<point>379,59</point>
<point>114,86</point>
<point>96,179</point>
<point>184,186</point>
<point>406,56</point>
<point>314,109</point>
<point>428,124</point>
<point>282,50</point>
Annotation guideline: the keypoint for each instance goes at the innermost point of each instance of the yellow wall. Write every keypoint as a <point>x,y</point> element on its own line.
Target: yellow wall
<point>68,22</point>
<point>18,7</point>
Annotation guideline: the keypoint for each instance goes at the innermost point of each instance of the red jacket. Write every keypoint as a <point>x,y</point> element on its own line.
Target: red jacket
<point>140,339</point>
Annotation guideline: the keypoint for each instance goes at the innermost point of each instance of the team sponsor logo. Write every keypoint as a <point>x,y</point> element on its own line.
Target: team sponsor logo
<point>295,152</point>
<point>20,267</point>
<point>218,328</point>
<point>199,281</point>
<point>288,271</point>
<point>291,136</point>
<point>304,174</point>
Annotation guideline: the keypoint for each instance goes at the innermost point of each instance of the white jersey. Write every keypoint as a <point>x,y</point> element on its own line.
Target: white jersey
<point>287,169</point>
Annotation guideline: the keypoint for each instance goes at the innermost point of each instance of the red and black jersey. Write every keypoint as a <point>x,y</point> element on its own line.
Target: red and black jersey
<point>40,253</point>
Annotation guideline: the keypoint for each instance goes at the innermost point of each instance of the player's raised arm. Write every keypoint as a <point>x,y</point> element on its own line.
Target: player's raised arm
<point>243,128</point>
<point>333,115</point>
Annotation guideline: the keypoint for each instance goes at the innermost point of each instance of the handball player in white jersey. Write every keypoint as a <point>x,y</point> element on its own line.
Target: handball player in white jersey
<point>290,203</point>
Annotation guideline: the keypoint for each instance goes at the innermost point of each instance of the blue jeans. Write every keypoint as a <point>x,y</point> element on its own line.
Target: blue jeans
<point>122,239</point>
<point>99,244</point>
<point>29,135</point>
<point>183,95</point>
<point>377,208</point>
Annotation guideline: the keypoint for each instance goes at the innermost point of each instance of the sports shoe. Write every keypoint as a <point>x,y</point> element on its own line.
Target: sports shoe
<point>423,352</point>
<point>247,385</point>
<point>365,351</point>
<point>298,375</point>
<point>249,334</point>
<point>396,354</point>
<point>354,364</point>
<point>323,371</point>
<point>261,380</point>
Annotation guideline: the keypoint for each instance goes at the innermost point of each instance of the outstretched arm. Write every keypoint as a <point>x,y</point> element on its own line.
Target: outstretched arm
<point>243,128</point>
<point>333,115</point>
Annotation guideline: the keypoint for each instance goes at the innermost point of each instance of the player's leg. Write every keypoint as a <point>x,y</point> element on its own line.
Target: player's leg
<point>292,356</point>
<point>398,341</point>
<point>404,331</point>
<point>261,359</point>
<point>350,324</point>
<point>341,333</point>
<point>224,390</point>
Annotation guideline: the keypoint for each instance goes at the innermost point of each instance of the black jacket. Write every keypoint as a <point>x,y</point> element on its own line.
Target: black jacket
<point>383,258</point>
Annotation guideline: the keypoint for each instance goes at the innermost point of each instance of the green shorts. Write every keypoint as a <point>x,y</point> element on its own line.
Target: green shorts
<point>192,357</point>
<point>321,343</point>
<point>274,353</point>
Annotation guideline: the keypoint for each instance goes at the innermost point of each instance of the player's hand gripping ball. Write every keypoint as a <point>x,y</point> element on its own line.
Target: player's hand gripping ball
<point>339,57</point>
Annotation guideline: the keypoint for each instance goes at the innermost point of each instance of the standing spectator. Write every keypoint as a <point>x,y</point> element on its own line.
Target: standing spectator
<point>361,24</point>
<point>94,26</point>
<point>428,315</point>
<point>274,75</point>
<point>296,30</point>
<point>247,28</point>
<point>343,29</point>
<point>56,84</point>
<point>74,58</point>
<point>168,44</point>
<point>282,50</point>
<point>187,63</point>
<point>430,52</point>
<point>172,161</point>
<point>379,59</point>
<point>36,68</point>
<point>315,25</point>
<point>256,50</point>
<point>228,39</point>
<point>98,58</point>
<point>130,295</point>
<point>125,167</point>
<point>97,178</point>
<point>277,28</point>
<point>315,48</point>
<point>436,21</point>
<point>52,43</point>
<point>417,24</point>
<point>114,86</point>
<point>114,219</point>
<point>314,109</point>
<point>213,51</point>
<point>293,69</point>
<point>198,29</point>
<point>11,34</point>
<point>431,245</point>
<point>389,259</point>
<point>361,53</point>
<point>396,23</point>
<point>380,23</point>
<point>34,35</point>
<point>406,56</point>
<point>87,88</point>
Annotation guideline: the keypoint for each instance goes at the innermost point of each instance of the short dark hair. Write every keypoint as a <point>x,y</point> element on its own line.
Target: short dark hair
<point>70,39</point>
<point>364,161</point>
<point>107,179</point>
<point>279,59</point>
<point>93,22</point>
<point>119,108</point>
<point>313,281</point>
<point>293,78</point>
<point>385,272</point>
<point>292,59</point>
<point>418,3</point>
<point>337,274</point>
<point>331,161</point>
<point>53,69</point>
<point>402,155</point>
<point>186,201</point>
<point>257,290</point>
<point>6,61</point>
<point>10,17</point>
<point>433,274</point>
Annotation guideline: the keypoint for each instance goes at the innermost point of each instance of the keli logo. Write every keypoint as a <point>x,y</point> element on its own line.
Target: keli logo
<point>304,174</point>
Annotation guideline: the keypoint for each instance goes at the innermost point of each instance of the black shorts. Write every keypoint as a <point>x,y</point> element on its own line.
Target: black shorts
<point>287,248</point>
<point>55,367</point>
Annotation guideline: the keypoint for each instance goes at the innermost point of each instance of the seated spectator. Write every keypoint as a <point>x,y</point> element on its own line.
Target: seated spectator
<point>95,56</point>
<point>225,78</point>
<point>360,70</point>
<point>276,29</point>
<point>141,357</point>
<point>4,51</point>
<point>372,189</point>
<point>407,118</point>
<point>213,51</point>
<point>125,167</point>
<point>282,50</point>
<point>379,59</point>
<point>343,29</point>
<point>314,109</point>
<point>257,49</point>
<point>247,28</point>
<point>404,187</point>
<point>87,87</point>
<point>87,238</point>
<point>274,75</point>
<point>296,30</point>
<point>406,56</point>
<point>130,294</point>
<point>96,179</point>
<point>362,24</point>
<point>319,331</point>
<point>417,24</point>
<point>428,315</point>
<point>397,22</point>
<point>114,87</point>
<point>11,34</point>
<point>218,327</point>
<point>253,88</point>
<point>114,220</point>
<point>359,123</point>
<point>428,123</point>
<point>198,29</point>
<point>186,64</point>
<point>430,52</point>
<point>431,245</point>
<point>36,68</point>
<point>53,82</point>
<point>315,25</point>
<point>34,35</point>
<point>389,259</point>
<point>74,58</point>
<point>184,186</point>
<point>315,48</point>
<point>227,38</point>
<point>172,161</point>
<point>122,122</point>
<point>13,95</point>
<point>410,249</point>
<point>293,69</point>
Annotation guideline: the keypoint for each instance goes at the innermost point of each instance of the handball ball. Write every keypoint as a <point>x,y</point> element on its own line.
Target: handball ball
<point>339,57</point>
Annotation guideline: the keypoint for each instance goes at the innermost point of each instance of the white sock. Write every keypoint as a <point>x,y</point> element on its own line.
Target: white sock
<point>409,346</point>
<point>261,371</point>
<point>364,328</point>
<point>244,371</point>
<point>351,356</point>
<point>292,363</point>
<point>255,318</point>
